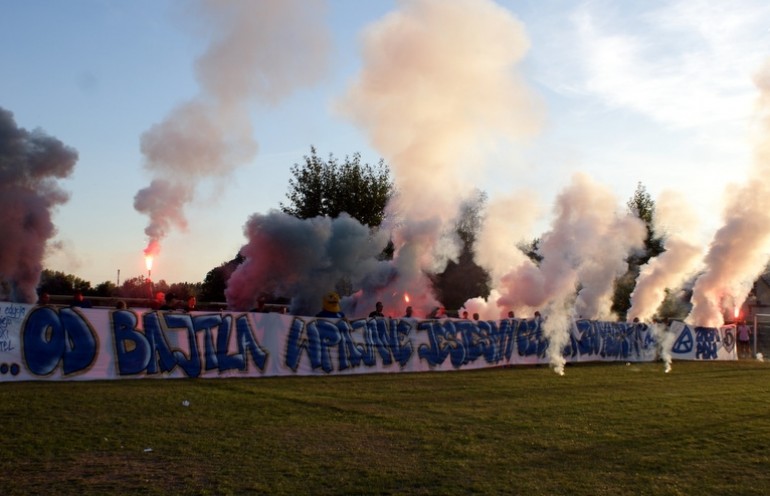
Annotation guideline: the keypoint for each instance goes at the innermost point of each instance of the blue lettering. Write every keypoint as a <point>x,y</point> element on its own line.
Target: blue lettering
<point>150,352</point>
<point>50,337</point>
<point>706,340</point>
<point>315,338</point>
<point>443,343</point>
<point>131,348</point>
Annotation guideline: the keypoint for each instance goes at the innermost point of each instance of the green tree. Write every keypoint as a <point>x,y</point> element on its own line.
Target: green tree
<point>464,279</point>
<point>106,288</point>
<point>215,283</point>
<point>531,250</point>
<point>642,205</point>
<point>59,283</point>
<point>136,287</point>
<point>329,187</point>
<point>321,187</point>
<point>183,290</point>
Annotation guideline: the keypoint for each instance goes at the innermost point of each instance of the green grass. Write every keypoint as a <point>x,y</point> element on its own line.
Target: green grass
<point>602,429</point>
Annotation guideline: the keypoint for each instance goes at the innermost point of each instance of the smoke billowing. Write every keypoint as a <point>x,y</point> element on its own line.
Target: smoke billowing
<point>30,164</point>
<point>739,251</point>
<point>415,104</point>
<point>439,83</point>
<point>670,269</point>
<point>304,258</point>
<point>439,87</point>
<point>583,254</point>
<point>260,52</point>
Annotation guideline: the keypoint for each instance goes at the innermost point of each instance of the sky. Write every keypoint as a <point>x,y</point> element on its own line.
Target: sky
<point>658,92</point>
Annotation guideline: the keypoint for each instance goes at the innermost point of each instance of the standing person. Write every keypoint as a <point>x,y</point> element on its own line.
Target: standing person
<point>169,302</point>
<point>331,306</point>
<point>377,312</point>
<point>437,313</point>
<point>78,300</point>
<point>409,313</point>
<point>159,300</point>
<point>192,304</point>
<point>744,340</point>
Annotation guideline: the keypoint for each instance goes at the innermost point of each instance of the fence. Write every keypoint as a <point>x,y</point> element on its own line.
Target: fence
<point>761,335</point>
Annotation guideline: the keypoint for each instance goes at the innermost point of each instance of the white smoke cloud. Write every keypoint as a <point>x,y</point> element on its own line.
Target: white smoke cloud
<point>677,222</point>
<point>507,221</point>
<point>740,248</point>
<point>583,254</point>
<point>438,83</point>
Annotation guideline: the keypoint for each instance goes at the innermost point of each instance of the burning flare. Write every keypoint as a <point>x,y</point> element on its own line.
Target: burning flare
<point>152,250</point>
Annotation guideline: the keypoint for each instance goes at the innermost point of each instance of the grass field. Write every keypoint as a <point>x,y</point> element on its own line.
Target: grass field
<point>602,429</point>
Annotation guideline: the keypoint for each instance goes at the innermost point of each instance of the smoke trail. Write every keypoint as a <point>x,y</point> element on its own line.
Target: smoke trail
<point>674,217</point>
<point>739,251</point>
<point>506,220</point>
<point>584,251</point>
<point>556,329</point>
<point>438,84</point>
<point>30,163</point>
<point>665,342</point>
<point>260,52</point>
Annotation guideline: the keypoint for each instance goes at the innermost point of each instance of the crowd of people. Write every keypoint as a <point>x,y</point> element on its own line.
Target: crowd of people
<point>331,308</point>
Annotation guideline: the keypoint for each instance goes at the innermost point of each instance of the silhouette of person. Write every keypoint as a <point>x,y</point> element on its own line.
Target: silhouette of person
<point>744,340</point>
<point>169,302</point>
<point>78,300</point>
<point>192,304</point>
<point>377,312</point>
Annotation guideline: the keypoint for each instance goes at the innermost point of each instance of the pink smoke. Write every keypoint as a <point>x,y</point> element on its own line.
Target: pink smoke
<point>438,83</point>
<point>739,251</point>
<point>260,53</point>
<point>669,270</point>
<point>583,254</point>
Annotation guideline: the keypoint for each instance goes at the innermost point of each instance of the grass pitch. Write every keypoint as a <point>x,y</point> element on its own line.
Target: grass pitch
<point>602,429</point>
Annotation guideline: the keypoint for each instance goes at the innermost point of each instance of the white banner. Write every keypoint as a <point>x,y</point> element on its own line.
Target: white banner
<point>63,343</point>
